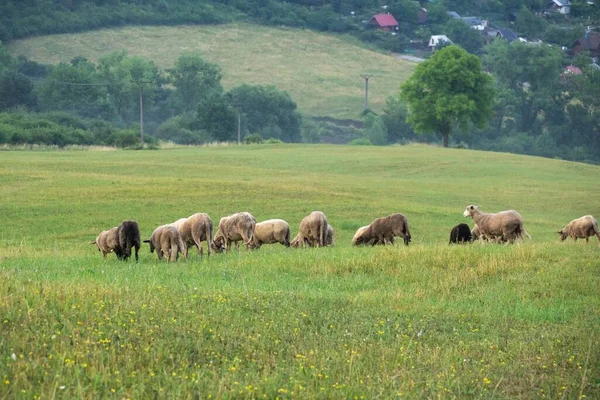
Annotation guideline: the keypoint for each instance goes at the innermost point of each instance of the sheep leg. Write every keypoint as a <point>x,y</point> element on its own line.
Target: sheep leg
<point>587,240</point>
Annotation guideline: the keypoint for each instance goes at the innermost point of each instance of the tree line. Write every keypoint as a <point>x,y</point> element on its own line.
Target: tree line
<point>185,104</point>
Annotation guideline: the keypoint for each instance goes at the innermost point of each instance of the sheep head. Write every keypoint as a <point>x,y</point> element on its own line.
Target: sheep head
<point>470,210</point>
<point>563,235</point>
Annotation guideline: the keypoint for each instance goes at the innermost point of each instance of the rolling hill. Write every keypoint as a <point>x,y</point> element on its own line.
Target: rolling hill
<point>321,72</point>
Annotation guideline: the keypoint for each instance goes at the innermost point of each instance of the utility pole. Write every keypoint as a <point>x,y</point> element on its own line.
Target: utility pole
<point>140,85</point>
<point>366,78</point>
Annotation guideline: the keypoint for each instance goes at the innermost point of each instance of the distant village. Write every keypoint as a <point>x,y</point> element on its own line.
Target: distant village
<point>590,42</point>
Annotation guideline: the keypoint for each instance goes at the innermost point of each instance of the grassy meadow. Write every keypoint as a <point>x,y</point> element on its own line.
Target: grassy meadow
<point>321,72</point>
<point>425,321</point>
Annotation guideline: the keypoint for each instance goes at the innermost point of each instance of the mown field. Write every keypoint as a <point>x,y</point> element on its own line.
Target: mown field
<point>425,321</point>
<point>321,72</point>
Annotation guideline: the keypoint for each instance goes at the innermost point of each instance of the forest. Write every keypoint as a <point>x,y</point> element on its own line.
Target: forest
<point>539,109</point>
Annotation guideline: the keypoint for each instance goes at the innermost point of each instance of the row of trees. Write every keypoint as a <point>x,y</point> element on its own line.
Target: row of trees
<point>186,103</point>
<point>532,105</point>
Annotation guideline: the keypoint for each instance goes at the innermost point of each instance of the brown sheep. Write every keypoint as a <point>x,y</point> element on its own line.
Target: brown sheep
<point>107,241</point>
<point>128,235</point>
<point>581,228</point>
<point>233,228</point>
<point>506,225</point>
<point>167,241</point>
<point>382,230</point>
<point>195,229</point>
<point>313,231</point>
<point>271,231</point>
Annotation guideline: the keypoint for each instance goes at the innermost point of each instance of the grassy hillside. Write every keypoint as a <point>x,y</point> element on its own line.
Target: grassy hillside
<point>428,320</point>
<point>321,72</point>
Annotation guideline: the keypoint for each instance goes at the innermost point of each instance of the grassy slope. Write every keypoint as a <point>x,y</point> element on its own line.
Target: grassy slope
<point>424,321</point>
<point>321,72</point>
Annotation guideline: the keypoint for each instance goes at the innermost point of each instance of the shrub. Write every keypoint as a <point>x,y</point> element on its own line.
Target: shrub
<point>255,138</point>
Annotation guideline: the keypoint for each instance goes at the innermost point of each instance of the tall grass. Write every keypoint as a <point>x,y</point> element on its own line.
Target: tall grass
<point>428,320</point>
<point>320,71</point>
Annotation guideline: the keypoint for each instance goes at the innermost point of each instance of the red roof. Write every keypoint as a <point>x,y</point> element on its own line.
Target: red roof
<point>384,20</point>
<point>573,70</point>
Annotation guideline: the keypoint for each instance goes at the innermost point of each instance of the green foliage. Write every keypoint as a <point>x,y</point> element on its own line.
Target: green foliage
<point>528,23</point>
<point>448,89</point>
<point>16,89</point>
<point>463,35</point>
<point>267,110</point>
<point>194,80</point>
<point>310,131</point>
<point>216,116</point>
<point>374,130</point>
<point>179,130</point>
<point>394,117</point>
<point>254,138</point>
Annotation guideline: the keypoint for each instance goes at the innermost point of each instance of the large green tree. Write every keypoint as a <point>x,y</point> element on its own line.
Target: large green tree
<point>448,89</point>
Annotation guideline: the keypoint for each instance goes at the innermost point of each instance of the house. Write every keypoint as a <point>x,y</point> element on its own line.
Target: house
<point>590,42</point>
<point>506,34</point>
<point>475,23</point>
<point>572,70</point>
<point>560,6</point>
<point>422,16</point>
<point>436,40</point>
<point>385,22</point>
<point>453,14</point>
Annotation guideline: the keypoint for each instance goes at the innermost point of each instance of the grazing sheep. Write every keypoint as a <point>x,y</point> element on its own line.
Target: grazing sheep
<point>507,225</point>
<point>167,241</point>
<point>107,241</point>
<point>193,230</point>
<point>271,231</point>
<point>128,237</point>
<point>233,228</point>
<point>313,231</point>
<point>461,233</point>
<point>382,230</point>
<point>581,228</point>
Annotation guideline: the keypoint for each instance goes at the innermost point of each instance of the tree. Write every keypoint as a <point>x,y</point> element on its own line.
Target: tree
<point>448,89</point>
<point>268,111</point>
<point>463,35</point>
<point>217,117</point>
<point>532,72</point>
<point>194,80</point>
<point>16,89</point>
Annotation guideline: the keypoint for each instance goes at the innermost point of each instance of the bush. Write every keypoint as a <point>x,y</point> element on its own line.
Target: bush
<point>273,141</point>
<point>127,138</point>
<point>255,138</point>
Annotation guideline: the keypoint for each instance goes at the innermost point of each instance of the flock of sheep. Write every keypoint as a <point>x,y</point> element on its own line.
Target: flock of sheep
<point>176,238</point>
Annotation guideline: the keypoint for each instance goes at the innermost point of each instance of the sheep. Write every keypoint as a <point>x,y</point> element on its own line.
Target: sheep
<point>193,230</point>
<point>581,228</point>
<point>271,231</point>
<point>461,233</point>
<point>128,237</point>
<point>313,231</point>
<point>382,230</point>
<point>507,225</point>
<point>167,241</point>
<point>233,228</point>
<point>107,241</point>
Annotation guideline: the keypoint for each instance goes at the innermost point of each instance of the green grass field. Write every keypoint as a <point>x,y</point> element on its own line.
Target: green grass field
<point>321,72</point>
<point>425,321</point>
